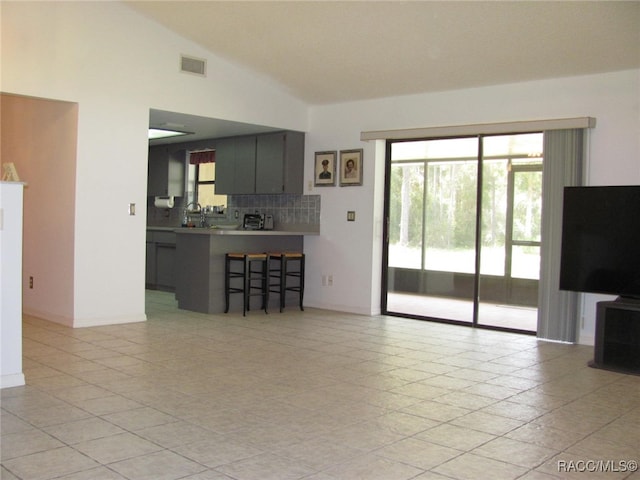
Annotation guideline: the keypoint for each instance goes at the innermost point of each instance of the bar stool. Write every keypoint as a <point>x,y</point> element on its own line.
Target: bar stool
<point>254,281</point>
<point>283,272</point>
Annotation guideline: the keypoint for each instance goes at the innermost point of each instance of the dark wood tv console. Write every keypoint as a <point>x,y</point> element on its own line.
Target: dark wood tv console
<point>617,340</point>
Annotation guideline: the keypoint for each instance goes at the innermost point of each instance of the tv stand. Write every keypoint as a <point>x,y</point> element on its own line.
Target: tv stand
<point>617,340</point>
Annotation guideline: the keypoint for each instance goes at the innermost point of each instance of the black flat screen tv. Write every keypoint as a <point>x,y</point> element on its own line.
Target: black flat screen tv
<point>601,240</point>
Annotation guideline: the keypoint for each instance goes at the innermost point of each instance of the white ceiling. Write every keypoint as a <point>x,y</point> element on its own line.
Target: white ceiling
<point>325,52</point>
<point>334,51</point>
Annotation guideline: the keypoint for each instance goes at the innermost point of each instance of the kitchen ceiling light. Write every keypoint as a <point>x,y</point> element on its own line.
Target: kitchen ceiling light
<point>155,133</point>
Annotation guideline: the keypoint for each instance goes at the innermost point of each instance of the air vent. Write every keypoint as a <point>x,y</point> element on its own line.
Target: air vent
<point>193,65</point>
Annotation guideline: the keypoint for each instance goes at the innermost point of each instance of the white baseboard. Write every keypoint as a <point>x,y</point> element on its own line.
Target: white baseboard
<point>101,322</point>
<point>59,319</point>
<point>339,308</point>
<point>12,380</point>
<point>86,322</point>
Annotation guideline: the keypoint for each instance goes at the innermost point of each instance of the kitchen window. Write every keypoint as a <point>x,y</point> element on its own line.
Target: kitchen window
<point>201,179</point>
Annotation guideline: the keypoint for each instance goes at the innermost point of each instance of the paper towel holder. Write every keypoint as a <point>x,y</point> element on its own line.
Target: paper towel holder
<point>163,202</point>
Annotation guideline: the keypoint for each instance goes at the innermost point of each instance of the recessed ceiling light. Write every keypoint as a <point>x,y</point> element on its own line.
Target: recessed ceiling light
<point>155,133</point>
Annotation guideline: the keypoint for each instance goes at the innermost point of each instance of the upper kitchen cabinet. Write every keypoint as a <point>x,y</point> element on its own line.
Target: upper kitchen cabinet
<point>166,172</point>
<point>280,163</point>
<point>236,165</point>
<point>269,163</point>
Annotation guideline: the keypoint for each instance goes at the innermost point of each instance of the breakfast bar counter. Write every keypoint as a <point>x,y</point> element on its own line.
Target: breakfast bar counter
<point>200,262</point>
<point>242,232</point>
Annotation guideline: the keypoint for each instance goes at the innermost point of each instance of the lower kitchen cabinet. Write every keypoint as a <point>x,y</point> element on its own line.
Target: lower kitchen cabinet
<point>161,261</point>
<point>166,266</point>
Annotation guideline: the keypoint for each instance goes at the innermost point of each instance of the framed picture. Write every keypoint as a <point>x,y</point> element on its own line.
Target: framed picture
<point>325,169</point>
<point>350,167</point>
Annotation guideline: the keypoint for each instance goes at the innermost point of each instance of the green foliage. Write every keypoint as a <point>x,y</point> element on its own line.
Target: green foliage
<point>433,202</point>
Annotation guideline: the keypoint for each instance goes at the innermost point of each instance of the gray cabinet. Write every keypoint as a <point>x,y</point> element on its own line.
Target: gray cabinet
<point>166,172</point>
<point>161,260</point>
<point>617,339</point>
<point>150,270</point>
<point>280,163</point>
<point>236,165</point>
<point>269,163</point>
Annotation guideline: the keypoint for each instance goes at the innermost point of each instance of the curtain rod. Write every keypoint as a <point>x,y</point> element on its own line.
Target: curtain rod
<point>480,128</point>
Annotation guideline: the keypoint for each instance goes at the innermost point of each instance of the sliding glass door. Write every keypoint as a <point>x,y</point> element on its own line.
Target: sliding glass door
<point>510,233</point>
<point>463,230</point>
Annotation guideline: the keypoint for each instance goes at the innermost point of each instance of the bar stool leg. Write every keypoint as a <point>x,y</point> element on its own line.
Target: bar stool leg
<point>283,280</point>
<point>301,278</point>
<point>227,282</point>
<point>247,287</point>
<point>265,284</point>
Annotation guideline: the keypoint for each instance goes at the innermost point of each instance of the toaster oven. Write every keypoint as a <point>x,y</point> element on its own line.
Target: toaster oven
<point>252,221</point>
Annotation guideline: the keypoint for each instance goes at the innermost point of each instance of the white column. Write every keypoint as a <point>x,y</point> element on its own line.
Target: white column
<point>11,198</point>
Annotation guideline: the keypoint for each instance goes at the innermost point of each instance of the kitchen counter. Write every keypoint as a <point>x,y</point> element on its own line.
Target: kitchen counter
<point>226,231</point>
<point>160,229</point>
<point>200,263</point>
<point>232,231</point>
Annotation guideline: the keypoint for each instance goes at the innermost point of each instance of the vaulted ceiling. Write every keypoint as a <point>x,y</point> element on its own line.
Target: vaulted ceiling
<point>335,51</point>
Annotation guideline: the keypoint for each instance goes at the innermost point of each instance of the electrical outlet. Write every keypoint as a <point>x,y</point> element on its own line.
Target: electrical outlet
<point>30,282</point>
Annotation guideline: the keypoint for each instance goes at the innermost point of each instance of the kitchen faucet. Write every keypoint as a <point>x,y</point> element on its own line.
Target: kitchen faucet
<point>185,216</point>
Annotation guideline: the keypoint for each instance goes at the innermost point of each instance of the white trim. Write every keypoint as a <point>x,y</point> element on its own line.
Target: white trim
<point>49,317</point>
<point>100,322</point>
<point>480,129</point>
<point>12,380</point>
<point>85,322</point>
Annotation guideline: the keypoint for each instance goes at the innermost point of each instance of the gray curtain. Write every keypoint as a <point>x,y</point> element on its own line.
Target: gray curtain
<point>562,166</point>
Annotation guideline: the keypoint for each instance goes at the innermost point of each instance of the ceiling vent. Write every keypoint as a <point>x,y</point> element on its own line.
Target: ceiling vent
<point>193,65</point>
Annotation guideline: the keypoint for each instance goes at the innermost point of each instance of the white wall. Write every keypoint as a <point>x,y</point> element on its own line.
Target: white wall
<point>116,65</point>
<point>343,249</point>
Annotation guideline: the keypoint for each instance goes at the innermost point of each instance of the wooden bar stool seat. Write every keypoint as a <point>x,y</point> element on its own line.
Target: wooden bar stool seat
<point>281,271</point>
<point>240,269</point>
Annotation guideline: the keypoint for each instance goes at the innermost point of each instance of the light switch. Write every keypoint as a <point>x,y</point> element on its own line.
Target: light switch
<point>351,216</point>
<point>132,209</point>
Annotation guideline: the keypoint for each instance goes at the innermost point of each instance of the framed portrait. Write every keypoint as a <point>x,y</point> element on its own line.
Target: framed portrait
<point>350,167</point>
<point>325,169</point>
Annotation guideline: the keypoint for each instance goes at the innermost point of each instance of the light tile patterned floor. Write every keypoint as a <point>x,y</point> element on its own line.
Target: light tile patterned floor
<point>310,395</point>
<point>512,317</point>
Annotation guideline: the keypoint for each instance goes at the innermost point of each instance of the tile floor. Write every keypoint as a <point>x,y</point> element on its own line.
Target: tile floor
<point>310,395</point>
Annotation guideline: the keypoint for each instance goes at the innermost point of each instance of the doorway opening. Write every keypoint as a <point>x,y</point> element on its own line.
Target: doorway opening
<point>463,232</point>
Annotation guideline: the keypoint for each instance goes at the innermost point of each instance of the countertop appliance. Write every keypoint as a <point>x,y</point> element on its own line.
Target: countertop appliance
<point>267,223</point>
<point>253,221</point>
